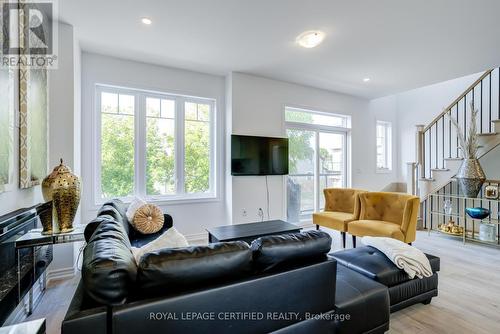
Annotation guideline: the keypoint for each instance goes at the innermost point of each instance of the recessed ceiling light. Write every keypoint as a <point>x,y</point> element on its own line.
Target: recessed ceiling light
<point>366,79</point>
<point>310,39</point>
<point>146,20</point>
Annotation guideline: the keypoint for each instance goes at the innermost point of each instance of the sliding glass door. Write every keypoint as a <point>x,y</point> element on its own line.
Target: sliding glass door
<point>317,160</point>
<point>301,181</point>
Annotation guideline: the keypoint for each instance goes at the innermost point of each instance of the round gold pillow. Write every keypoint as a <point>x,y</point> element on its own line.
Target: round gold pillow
<point>148,219</point>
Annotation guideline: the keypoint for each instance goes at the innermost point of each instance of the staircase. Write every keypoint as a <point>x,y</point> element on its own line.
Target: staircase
<point>438,156</point>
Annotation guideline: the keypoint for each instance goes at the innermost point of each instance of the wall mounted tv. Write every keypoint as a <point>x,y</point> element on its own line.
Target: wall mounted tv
<point>259,155</point>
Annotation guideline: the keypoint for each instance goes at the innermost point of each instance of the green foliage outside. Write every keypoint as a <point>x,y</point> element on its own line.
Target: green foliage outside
<point>117,157</point>
<point>197,157</point>
<point>299,145</point>
<point>160,157</point>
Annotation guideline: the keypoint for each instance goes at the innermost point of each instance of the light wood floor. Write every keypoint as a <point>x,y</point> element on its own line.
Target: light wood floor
<point>468,301</point>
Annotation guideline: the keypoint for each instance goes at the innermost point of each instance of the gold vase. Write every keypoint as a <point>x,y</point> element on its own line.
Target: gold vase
<point>63,188</point>
<point>49,220</point>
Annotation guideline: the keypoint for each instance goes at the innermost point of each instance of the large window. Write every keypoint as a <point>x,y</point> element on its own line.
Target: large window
<point>384,146</point>
<point>156,146</point>
<point>317,159</point>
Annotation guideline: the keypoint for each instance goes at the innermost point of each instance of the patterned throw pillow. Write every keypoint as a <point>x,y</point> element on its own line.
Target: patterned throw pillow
<point>148,219</point>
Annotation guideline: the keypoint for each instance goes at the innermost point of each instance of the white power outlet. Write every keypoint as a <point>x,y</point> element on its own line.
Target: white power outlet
<point>260,213</point>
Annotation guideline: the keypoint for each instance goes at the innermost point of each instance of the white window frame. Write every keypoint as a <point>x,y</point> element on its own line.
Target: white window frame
<point>317,128</point>
<point>387,147</point>
<point>140,146</point>
<point>346,118</point>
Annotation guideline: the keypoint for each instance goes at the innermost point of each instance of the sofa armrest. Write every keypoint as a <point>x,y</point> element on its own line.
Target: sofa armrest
<point>409,223</point>
<point>83,315</point>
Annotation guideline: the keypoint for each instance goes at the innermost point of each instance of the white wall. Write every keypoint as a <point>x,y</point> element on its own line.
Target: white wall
<point>64,139</point>
<point>420,106</point>
<point>257,108</point>
<point>491,164</point>
<point>189,218</point>
<point>64,112</point>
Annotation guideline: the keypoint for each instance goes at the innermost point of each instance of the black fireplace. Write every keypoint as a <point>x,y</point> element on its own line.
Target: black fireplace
<point>33,261</point>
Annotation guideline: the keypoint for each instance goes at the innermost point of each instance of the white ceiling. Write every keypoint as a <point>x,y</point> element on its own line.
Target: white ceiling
<point>399,44</point>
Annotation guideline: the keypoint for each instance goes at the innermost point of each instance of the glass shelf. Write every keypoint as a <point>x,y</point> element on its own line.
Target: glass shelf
<point>452,191</point>
<point>459,196</point>
<point>449,196</point>
<point>482,221</point>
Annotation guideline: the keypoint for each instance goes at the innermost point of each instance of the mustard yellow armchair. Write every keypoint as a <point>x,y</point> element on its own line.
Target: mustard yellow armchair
<point>384,214</point>
<point>341,208</point>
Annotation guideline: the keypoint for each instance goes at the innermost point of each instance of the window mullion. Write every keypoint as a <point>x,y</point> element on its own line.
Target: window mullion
<point>140,146</point>
<point>316,172</point>
<point>179,145</point>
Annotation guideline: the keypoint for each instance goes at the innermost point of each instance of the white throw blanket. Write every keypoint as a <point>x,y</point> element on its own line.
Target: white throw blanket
<point>412,260</point>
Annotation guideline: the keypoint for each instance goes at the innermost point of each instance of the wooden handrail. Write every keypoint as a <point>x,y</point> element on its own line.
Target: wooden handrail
<point>467,91</point>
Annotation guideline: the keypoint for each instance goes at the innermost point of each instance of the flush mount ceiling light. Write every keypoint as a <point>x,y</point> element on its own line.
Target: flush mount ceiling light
<point>366,79</point>
<point>310,39</point>
<point>146,20</point>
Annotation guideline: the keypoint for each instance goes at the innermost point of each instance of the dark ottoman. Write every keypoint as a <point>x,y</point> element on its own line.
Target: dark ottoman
<point>365,301</point>
<point>403,291</point>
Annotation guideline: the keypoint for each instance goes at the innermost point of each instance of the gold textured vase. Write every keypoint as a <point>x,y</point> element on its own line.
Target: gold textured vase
<point>49,219</point>
<point>63,188</point>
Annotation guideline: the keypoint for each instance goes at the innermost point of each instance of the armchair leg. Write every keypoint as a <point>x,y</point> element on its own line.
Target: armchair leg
<point>354,241</point>
<point>409,243</point>
<point>317,227</point>
<point>343,239</point>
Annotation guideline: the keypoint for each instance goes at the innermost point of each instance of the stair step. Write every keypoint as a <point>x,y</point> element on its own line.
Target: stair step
<point>440,169</point>
<point>496,125</point>
<point>425,179</point>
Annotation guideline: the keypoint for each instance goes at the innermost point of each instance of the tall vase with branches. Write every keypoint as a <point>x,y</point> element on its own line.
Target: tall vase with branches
<point>470,175</point>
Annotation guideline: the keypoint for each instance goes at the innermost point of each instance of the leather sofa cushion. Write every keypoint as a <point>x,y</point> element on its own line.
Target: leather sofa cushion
<point>364,300</point>
<point>109,269</point>
<point>271,251</point>
<point>171,268</point>
<point>116,210</point>
<point>334,220</point>
<point>375,265</point>
<point>376,228</point>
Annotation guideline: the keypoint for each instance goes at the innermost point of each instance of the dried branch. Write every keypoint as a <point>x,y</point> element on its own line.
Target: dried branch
<point>468,144</point>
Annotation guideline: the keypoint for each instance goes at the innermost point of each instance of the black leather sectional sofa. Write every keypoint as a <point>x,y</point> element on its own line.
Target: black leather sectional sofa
<point>278,284</point>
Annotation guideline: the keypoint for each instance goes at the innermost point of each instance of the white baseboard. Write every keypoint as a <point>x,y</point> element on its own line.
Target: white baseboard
<point>197,239</point>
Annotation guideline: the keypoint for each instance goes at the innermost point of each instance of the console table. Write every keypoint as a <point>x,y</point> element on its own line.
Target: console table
<point>33,239</point>
<point>250,232</point>
<point>436,215</point>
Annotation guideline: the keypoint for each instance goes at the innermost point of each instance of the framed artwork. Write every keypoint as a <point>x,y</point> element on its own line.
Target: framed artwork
<point>491,191</point>
<point>33,126</point>
<point>33,118</point>
<point>6,129</point>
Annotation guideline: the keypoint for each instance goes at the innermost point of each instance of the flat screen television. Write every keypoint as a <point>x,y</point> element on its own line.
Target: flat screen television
<point>259,155</point>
